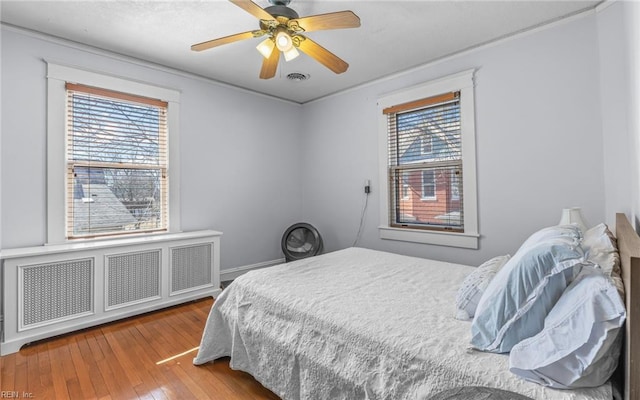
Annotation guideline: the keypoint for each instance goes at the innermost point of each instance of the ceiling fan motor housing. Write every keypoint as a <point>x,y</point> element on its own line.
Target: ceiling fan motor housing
<point>280,2</point>
<point>282,11</point>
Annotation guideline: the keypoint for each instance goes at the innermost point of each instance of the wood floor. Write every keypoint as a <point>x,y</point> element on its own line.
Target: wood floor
<point>146,357</point>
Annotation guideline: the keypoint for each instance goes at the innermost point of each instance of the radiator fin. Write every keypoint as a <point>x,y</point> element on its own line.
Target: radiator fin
<point>133,277</point>
<point>190,267</point>
<point>56,290</point>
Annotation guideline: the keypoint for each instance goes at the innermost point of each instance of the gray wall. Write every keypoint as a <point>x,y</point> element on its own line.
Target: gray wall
<point>631,13</point>
<point>538,132</point>
<point>615,95</point>
<point>236,174</point>
<point>549,129</point>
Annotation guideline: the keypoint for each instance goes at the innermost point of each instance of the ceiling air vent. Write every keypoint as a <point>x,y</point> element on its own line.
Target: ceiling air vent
<point>297,77</point>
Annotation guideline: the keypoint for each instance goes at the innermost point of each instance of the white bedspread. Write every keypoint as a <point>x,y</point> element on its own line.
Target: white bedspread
<point>357,324</point>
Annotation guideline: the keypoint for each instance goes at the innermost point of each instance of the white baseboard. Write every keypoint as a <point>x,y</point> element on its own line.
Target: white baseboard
<point>232,273</point>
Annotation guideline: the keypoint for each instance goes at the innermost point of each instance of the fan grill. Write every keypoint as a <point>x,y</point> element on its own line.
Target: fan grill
<point>300,241</point>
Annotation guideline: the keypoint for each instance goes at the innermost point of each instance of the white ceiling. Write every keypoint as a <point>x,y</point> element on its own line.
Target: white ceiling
<point>394,36</point>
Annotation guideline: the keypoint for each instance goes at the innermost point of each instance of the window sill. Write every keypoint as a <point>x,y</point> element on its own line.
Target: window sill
<point>453,239</point>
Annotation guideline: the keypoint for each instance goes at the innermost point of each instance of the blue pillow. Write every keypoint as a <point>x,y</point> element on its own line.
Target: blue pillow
<point>572,234</point>
<point>581,340</point>
<point>517,300</point>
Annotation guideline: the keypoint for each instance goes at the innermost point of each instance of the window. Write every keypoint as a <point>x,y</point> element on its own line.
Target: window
<point>455,186</point>
<point>428,185</point>
<point>435,117</point>
<point>426,144</point>
<point>112,156</point>
<point>428,134</point>
<point>116,163</point>
<point>406,188</point>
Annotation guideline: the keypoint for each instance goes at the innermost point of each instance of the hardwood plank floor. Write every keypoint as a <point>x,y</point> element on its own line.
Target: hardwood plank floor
<point>145,357</point>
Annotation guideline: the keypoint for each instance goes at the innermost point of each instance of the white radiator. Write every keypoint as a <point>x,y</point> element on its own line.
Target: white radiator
<point>50,290</point>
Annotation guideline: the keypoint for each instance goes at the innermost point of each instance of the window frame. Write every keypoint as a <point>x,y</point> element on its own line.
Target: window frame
<point>464,83</point>
<point>57,77</point>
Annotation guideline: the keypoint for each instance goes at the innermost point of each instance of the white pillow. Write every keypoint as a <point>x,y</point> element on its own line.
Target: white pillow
<point>517,300</point>
<point>582,337</point>
<point>601,248</point>
<point>474,285</point>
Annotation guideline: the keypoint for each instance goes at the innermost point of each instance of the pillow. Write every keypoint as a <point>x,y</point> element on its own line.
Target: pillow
<point>474,286</point>
<point>581,340</point>
<point>517,300</point>
<point>598,244</point>
<point>601,248</point>
<point>569,233</point>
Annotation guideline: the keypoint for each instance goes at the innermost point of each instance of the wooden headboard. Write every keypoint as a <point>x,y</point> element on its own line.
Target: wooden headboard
<point>629,247</point>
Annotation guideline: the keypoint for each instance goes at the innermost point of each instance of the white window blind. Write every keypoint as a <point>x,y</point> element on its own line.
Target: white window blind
<point>425,187</point>
<point>116,156</point>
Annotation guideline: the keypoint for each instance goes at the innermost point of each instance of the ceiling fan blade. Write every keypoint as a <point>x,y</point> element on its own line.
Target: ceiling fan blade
<point>224,40</point>
<point>253,9</point>
<point>335,20</point>
<point>322,55</point>
<point>270,65</point>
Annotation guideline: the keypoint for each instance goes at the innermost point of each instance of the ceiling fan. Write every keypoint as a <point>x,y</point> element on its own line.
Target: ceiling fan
<point>283,28</point>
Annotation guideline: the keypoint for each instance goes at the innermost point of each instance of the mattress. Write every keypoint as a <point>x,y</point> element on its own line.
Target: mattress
<point>357,324</point>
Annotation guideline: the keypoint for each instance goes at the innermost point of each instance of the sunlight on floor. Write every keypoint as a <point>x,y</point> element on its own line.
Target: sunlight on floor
<point>177,355</point>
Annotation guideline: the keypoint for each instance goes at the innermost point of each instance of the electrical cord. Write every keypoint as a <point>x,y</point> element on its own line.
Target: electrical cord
<point>367,190</point>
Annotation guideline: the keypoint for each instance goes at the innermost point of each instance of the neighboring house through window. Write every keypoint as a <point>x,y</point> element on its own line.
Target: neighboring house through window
<point>429,135</point>
<point>111,156</point>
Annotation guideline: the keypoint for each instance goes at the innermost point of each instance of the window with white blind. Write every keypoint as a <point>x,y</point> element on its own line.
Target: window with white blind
<point>112,156</point>
<point>428,166</point>
<point>116,162</point>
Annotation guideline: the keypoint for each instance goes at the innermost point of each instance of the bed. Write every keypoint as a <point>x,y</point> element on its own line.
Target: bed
<point>359,324</point>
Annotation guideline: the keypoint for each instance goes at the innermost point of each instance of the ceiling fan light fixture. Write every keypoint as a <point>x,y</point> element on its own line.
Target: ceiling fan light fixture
<point>284,42</point>
<point>266,47</point>
<point>291,54</point>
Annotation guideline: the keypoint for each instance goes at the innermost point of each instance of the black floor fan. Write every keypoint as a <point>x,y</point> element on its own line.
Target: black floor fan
<point>300,241</point>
